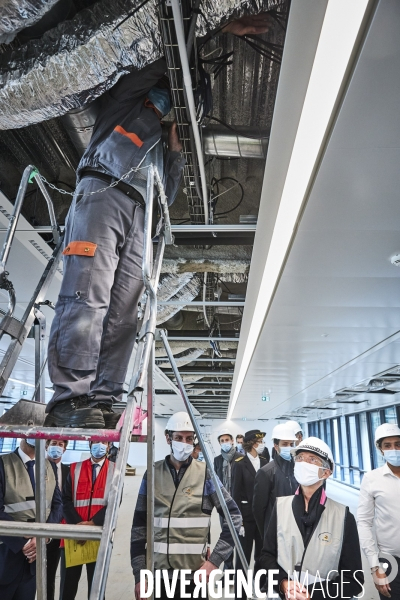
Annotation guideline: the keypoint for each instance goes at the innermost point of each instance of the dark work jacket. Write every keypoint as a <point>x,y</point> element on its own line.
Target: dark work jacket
<point>218,467</point>
<point>12,560</point>
<point>350,558</point>
<point>274,480</point>
<point>265,454</point>
<point>126,130</point>
<point>243,485</point>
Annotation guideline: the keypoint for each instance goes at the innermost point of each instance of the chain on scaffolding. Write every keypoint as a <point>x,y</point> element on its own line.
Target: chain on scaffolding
<point>100,191</point>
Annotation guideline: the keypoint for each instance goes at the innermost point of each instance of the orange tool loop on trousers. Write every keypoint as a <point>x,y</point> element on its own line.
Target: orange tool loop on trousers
<point>80,249</point>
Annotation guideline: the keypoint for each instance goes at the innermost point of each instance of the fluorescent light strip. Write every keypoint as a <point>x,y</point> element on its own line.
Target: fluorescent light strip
<point>27,384</point>
<point>339,32</point>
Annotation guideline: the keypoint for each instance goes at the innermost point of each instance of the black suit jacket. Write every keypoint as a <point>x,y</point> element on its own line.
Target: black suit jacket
<point>243,485</point>
<point>12,560</point>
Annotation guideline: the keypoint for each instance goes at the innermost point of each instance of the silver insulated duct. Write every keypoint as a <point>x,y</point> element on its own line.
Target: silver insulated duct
<point>222,142</point>
<point>16,15</point>
<point>74,63</point>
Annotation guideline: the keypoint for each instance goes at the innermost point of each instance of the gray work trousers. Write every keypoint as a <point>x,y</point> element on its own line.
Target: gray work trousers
<point>94,328</point>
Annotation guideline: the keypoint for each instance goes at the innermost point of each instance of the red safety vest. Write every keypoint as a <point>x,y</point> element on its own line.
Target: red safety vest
<point>89,498</point>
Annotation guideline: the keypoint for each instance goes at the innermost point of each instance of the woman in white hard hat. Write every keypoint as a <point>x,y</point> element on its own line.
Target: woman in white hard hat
<point>311,540</point>
<point>378,516</point>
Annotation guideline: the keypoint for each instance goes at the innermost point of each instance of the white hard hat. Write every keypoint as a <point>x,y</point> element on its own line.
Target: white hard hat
<point>283,432</point>
<point>316,446</point>
<point>386,430</point>
<point>296,426</point>
<point>180,421</point>
<point>224,431</point>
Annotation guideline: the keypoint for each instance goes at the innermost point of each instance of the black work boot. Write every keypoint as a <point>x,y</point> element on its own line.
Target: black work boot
<point>75,412</point>
<point>110,417</point>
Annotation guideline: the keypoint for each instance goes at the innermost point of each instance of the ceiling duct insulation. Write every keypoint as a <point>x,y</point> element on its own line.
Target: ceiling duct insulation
<point>77,61</point>
<point>182,358</point>
<point>16,15</point>
<point>185,293</point>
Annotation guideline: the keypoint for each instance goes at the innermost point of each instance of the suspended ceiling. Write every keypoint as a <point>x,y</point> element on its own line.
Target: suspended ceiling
<point>335,319</point>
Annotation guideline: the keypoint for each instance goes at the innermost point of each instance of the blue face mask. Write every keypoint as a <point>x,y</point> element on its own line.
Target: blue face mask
<point>226,447</point>
<point>54,452</point>
<point>239,446</point>
<point>392,457</point>
<point>200,457</point>
<point>161,99</point>
<point>31,442</point>
<point>98,450</point>
<point>285,453</point>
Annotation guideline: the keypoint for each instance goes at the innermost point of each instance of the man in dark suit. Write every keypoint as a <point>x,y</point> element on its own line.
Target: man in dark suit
<point>17,503</point>
<point>55,450</point>
<point>275,479</point>
<point>224,466</point>
<point>246,468</point>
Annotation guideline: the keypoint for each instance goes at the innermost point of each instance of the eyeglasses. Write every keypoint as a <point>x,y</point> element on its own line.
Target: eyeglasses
<point>312,460</point>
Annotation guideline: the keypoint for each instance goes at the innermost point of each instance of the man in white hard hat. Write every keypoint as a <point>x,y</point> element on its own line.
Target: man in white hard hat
<point>297,430</point>
<point>224,466</point>
<point>184,494</point>
<point>378,516</point>
<point>311,540</point>
<point>276,478</point>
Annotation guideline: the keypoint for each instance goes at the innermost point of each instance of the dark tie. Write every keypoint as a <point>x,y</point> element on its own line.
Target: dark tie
<point>94,471</point>
<point>30,465</point>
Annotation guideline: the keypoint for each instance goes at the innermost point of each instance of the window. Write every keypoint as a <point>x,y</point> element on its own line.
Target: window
<point>7,445</point>
<point>77,445</point>
<point>351,439</point>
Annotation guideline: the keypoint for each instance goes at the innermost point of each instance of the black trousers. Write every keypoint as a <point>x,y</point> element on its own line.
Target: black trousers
<point>394,585</point>
<point>53,558</point>
<point>22,588</point>
<point>251,536</point>
<point>72,577</point>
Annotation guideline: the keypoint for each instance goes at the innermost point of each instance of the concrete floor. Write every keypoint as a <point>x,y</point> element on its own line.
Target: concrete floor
<point>121,582</point>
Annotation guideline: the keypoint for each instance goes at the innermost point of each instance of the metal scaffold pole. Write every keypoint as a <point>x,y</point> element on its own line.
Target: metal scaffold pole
<point>150,465</point>
<point>205,451</point>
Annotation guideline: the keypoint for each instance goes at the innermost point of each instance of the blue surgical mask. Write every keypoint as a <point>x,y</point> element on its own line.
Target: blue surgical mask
<point>31,442</point>
<point>239,446</point>
<point>285,453</point>
<point>98,450</point>
<point>200,457</point>
<point>161,99</point>
<point>226,447</point>
<point>392,457</point>
<point>54,452</point>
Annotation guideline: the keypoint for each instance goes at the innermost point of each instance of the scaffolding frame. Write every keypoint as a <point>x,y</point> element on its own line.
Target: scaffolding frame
<point>142,379</point>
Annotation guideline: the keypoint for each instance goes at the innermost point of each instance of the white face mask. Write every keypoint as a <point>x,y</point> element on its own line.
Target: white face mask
<point>306,474</point>
<point>260,448</point>
<point>181,451</point>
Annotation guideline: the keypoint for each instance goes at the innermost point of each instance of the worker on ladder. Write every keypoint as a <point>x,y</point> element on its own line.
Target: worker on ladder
<point>94,327</point>
<point>17,503</point>
<point>85,496</point>
<point>184,493</point>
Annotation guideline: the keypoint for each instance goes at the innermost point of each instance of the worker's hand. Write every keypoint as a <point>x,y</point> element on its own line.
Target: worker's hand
<point>29,550</point>
<point>174,144</point>
<point>206,570</point>
<point>137,590</point>
<point>293,590</point>
<point>383,588</point>
<point>249,24</point>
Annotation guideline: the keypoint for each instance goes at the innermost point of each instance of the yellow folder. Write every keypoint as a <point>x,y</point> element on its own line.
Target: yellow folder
<point>76,554</point>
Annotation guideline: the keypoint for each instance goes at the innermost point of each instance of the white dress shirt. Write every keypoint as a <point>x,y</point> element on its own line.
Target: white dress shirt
<point>24,457</point>
<point>379,508</point>
<point>254,461</point>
